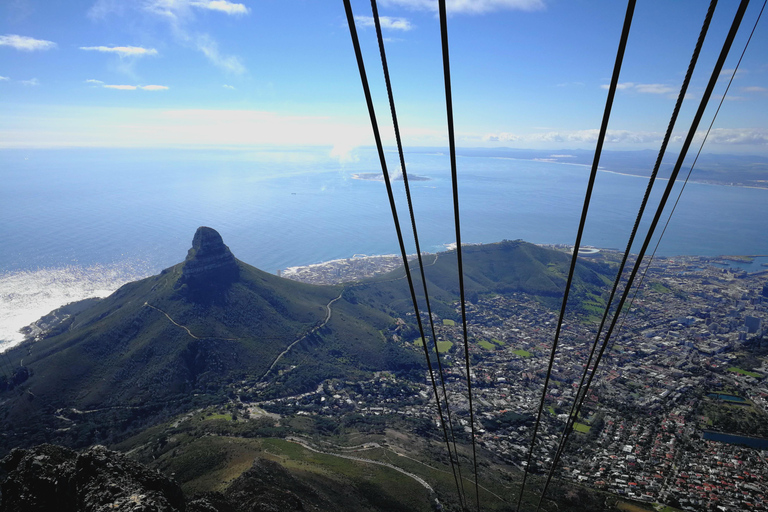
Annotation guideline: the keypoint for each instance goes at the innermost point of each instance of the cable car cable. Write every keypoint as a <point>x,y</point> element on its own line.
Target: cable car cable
<point>380,149</point>
<point>582,222</point>
<point>576,407</point>
<point>706,136</point>
<point>457,222</point>
<point>401,155</point>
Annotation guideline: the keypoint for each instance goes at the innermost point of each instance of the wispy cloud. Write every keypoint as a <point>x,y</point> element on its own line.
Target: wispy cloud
<point>180,17</point>
<point>222,6</point>
<point>228,87</point>
<point>32,82</point>
<point>654,89</point>
<point>120,87</point>
<point>94,81</point>
<point>122,51</point>
<point>130,87</point>
<point>621,86</point>
<point>469,6</point>
<point>210,48</point>
<point>4,78</point>
<point>754,88</point>
<point>727,73</point>
<point>642,88</point>
<point>24,43</point>
<point>175,9</point>
<point>387,22</point>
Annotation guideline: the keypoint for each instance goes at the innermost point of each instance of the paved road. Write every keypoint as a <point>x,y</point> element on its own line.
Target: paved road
<point>360,459</point>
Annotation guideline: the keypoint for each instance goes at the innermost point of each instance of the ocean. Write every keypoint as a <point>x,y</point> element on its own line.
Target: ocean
<point>80,222</point>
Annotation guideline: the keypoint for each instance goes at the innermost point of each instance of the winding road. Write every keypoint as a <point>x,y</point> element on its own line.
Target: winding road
<point>327,319</point>
<point>360,459</point>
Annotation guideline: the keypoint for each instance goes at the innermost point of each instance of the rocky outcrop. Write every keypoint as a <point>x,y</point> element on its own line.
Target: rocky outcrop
<point>208,255</point>
<point>50,477</point>
<point>53,478</point>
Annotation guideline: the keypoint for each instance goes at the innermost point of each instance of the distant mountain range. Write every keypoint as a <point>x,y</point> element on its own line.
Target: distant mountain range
<point>212,328</point>
<point>723,169</point>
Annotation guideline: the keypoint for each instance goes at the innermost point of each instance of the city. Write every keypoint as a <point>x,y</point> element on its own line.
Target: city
<point>671,382</point>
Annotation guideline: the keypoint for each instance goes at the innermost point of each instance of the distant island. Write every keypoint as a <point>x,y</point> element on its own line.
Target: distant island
<point>375,176</point>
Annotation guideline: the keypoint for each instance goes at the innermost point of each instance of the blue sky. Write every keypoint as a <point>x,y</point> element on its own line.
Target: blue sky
<point>526,73</point>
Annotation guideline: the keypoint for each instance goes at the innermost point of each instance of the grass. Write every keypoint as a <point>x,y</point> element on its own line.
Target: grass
<point>522,353</point>
<point>218,416</point>
<point>448,322</point>
<point>487,345</point>
<point>580,427</point>
<point>551,410</point>
<point>442,346</point>
<point>667,508</point>
<point>658,287</point>
<point>498,342</point>
<point>744,372</point>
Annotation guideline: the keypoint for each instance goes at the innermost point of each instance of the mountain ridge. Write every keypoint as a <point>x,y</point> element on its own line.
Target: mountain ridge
<point>213,329</point>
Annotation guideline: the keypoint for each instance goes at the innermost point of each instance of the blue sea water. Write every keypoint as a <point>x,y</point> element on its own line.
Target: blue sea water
<point>80,222</point>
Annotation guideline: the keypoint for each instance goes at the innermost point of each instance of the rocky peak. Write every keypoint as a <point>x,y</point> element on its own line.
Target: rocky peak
<point>208,255</point>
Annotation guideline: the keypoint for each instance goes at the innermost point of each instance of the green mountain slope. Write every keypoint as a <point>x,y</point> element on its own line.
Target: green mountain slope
<point>500,268</point>
<point>189,336</point>
<point>213,328</point>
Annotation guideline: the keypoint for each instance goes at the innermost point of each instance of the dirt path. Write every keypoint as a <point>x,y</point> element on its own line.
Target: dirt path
<point>174,322</point>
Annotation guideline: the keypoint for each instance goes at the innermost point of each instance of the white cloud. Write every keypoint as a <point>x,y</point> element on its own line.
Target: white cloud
<point>32,82</point>
<point>155,127</point>
<point>754,88</point>
<point>738,136</point>
<point>642,88</point>
<point>174,9</point>
<point>720,136</point>
<point>24,43</point>
<point>102,8</point>
<point>222,6</point>
<point>4,78</point>
<point>94,81</point>
<point>122,51</point>
<point>727,73</point>
<point>469,6</point>
<point>621,86</point>
<point>130,87</point>
<point>577,136</point>
<point>387,22</point>
<point>228,87</point>
<point>180,16</point>
<point>210,48</point>
<point>654,89</point>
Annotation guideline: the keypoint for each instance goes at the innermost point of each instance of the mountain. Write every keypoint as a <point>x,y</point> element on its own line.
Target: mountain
<point>507,267</point>
<point>190,336</point>
<point>213,329</point>
<point>50,477</point>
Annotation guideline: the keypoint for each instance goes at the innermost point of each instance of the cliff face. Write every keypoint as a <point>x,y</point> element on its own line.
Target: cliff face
<point>208,255</point>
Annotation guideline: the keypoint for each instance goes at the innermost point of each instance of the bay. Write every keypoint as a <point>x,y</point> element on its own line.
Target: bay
<point>87,220</point>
